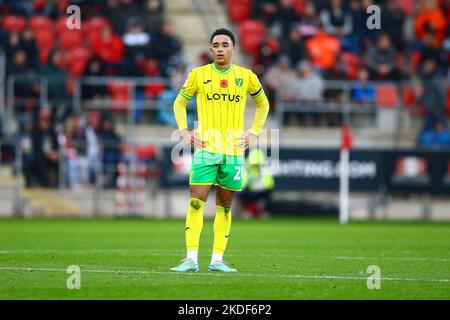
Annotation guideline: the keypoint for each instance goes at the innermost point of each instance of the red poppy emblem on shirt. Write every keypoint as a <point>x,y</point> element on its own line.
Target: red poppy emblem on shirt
<point>223,83</point>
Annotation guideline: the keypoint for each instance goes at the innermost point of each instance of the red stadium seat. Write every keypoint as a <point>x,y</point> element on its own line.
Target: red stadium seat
<point>70,39</point>
<point>78,58</point>
<point>409,96</point>
<point>299,7</point>
<point>94,25</point>
<point>239,10</point>
<point>120,94</point>
<point>14,24</point>
<point>45,40</point>
<point>407,6</point>
<point>251,35</point>
<point>40,23</point>
<point>352,62</point>
<point>386,95</point>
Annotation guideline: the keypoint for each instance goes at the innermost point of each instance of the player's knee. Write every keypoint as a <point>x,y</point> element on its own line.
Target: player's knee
<point>196,203</point>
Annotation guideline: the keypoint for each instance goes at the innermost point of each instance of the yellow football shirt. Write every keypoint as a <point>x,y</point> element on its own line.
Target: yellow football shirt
<point>221,99</point>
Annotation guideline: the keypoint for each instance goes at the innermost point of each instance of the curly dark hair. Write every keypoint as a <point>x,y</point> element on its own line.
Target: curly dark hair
<point>223,31</point>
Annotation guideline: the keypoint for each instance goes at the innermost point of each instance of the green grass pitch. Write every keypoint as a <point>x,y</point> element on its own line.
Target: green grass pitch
<point>279,258</point>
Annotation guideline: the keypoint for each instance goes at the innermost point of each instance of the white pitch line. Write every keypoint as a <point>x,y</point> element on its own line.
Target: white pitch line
<point>178,252</point>
<point>302,276</point>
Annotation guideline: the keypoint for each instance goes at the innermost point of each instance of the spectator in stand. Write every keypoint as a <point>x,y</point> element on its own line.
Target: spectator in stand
<point>430,21</point>
<point>433,97</point>
<point>45,148</point>
<point>166,47</point>
<point>94,68</point>
<point>56,78</point>
<point>362,91</point>
<point>337,21</point>
<point>287,17</point>
<point>265,10</point>
<point>309,24</point>
<point>393,20</point>
<point>335,93</point>
<point>110,143</point>
<point>25,90</point>
<point>276,76</point>
<point>119,13</point>
<point>267,54</point>
<point>323,50</point>
<point>359,25</point>
<point>75,152</point>
<point>137,44</point>
<point>435,137</point>
<point>306,89</point>
<point>24,140</point>
<point>93,144</point>
<point>28,44</point>
<point>310,89</point>
<point>154,16</point>
<point>381,60</point>
<point>295,47</point>
<point>109,48</point>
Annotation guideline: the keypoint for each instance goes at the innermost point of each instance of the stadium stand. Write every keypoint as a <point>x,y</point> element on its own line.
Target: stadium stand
<point>134,39</point>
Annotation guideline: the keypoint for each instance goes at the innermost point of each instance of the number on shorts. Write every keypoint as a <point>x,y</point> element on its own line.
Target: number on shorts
<point>238,173</point>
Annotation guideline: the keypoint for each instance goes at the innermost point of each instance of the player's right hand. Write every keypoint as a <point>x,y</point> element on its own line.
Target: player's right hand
<point>192,139</point>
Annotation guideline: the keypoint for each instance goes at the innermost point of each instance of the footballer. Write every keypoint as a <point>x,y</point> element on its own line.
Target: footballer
<point>219,142</point>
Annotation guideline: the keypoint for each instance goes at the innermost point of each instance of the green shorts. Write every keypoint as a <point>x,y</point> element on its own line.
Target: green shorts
<point>217,169</point>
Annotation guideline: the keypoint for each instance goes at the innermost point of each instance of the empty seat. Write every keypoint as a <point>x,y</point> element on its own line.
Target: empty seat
<point>40,23</point>
<point>70,39</point>
<point>251,35</point>
<point>239,10</point>
<point>386,95</point>
<point>14,24</point>
<point>79,58</point>
<point>94,25</point>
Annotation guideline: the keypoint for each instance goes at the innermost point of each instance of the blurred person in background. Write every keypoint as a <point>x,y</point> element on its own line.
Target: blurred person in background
<point>258,183</point>
<point>94,68</point>
<point>433,93</point>
<point>45,148</point>
<point>310,89</point>
<point>166,48</point>
<point>393,22</point>
<point>110,143</point>
<point>153,16</point>
<point>57,82</point>
<point>309,23</point>
<point>75,146</point>
<point>265,10</point>
<point>24,141</point>
<point>362,91</point>
<point>295,47</point>
<point>381,60</point>
<point>323,50</point>
<point>276,76</point>
<point>110,49</point>
<point>435,137</point>
<point>337,21</point>
<point>137,45</point>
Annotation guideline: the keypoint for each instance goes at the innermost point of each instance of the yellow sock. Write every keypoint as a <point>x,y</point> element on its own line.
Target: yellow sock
<point>194,223</point>
<point>222,226</point>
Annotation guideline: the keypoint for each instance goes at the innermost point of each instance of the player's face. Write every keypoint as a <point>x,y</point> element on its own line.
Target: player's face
<point>222,49</point>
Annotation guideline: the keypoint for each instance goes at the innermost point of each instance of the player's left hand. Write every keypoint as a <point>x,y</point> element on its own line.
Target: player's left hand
<point>246,140</point>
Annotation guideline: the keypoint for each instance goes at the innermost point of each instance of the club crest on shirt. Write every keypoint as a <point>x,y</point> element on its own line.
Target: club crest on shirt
<point>223,83</point>
<point>239,82</point>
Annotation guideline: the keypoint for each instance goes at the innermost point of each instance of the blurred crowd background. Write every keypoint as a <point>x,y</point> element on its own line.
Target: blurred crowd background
<point>295,47</point>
